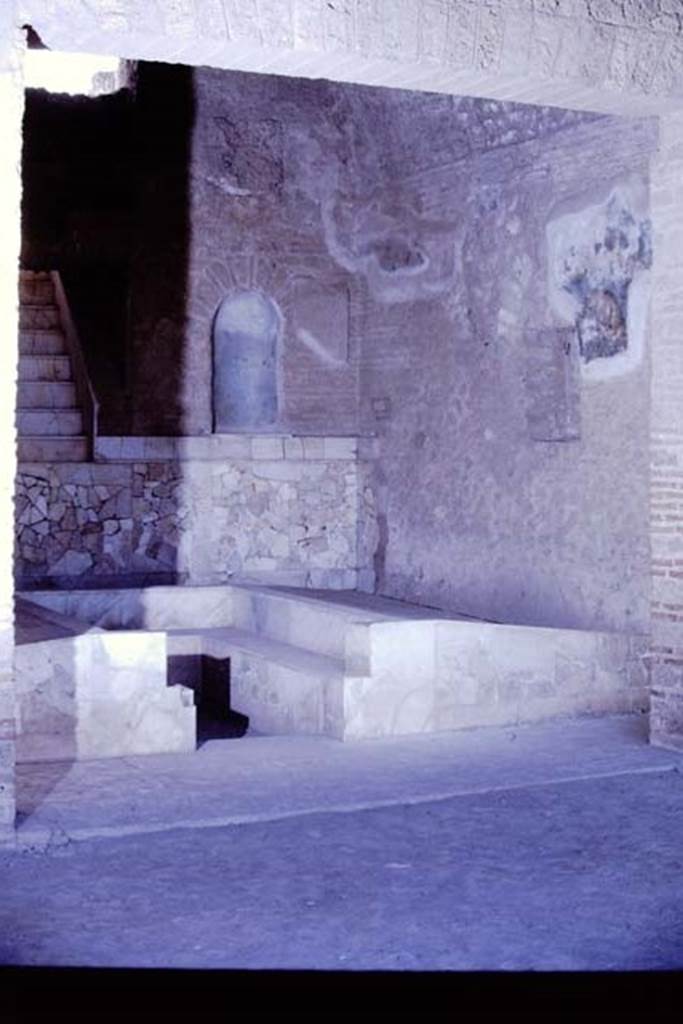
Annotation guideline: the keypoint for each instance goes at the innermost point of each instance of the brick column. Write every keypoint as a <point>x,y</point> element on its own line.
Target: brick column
<point>666,529</point>
<point>11,106</point>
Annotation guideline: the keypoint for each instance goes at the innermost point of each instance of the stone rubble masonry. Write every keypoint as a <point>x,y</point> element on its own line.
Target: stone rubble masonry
<point>195,510</point>
<point>611,55</point>
<point>11,104</point>
<point>666,448</point>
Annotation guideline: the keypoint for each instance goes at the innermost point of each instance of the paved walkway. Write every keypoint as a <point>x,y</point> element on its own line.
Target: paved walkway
<point>229,782</point>
<point>552,847</point>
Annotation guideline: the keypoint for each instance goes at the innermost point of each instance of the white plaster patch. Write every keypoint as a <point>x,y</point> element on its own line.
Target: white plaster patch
<point>602,243</point>
<point>402,255</point>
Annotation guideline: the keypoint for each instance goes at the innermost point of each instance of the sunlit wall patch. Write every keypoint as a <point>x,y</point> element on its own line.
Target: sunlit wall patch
<point>77,74</point>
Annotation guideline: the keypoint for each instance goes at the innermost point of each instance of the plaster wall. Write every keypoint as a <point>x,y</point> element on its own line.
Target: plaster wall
<point>232,211</point>
<point>291,191</point>
<point>512,473</point>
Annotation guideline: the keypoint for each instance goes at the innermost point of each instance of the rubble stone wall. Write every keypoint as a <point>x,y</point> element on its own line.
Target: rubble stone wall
<point>281,512</point>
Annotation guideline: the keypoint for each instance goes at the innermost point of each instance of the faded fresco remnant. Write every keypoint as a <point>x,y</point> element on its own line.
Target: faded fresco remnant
<point>598,258</point>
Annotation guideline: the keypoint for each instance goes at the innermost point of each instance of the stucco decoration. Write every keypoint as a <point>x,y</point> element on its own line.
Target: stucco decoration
<point>598,262</point>
<point>402,254</point>
<point>245,335</point>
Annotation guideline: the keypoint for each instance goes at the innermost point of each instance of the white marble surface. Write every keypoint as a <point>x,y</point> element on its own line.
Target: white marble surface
<point>98,694</point>
<point>227,446</point>
<point>354,666</point>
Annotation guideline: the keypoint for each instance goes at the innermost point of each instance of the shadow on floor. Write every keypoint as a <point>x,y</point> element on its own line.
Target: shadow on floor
<point>35,782</point>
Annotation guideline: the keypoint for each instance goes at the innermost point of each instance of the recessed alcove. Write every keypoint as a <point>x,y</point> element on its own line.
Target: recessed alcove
<point>245,337</point>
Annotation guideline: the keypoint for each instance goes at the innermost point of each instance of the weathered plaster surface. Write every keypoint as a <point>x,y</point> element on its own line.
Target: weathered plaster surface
<point>512,477</point>
<point>297,193</point>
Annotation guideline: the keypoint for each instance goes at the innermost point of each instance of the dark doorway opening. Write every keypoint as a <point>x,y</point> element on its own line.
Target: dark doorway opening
<point>210,679</point>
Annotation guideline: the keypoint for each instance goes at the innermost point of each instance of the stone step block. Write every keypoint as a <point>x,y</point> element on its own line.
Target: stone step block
<point>315,620</point>
<point>44,368</point>
<point>37,290</point>
<point>53,449</point>
<point>38,317</point>
<point>49,422</point>
<point>41,342</point>
<point>46,395</point>
<point>282,689</point>
<point>94,694</point>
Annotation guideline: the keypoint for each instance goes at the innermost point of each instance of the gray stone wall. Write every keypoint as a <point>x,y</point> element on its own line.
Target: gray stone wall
<point>512,474</point>
<point>275,509</point>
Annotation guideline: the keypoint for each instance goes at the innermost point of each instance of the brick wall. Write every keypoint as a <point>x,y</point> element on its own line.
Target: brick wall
<point>666,450</point>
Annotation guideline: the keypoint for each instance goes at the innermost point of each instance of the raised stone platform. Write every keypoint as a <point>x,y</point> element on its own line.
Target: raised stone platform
<point>83,692</point>
<point>353,665</point>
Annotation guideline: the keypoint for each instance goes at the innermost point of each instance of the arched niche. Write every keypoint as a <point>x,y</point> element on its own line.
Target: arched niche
<point>245,336</point>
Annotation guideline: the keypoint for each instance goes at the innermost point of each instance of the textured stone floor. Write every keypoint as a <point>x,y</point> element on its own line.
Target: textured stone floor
<point>555,847</point>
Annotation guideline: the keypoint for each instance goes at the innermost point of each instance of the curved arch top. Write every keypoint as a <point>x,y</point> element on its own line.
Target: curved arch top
<point>245,335</point>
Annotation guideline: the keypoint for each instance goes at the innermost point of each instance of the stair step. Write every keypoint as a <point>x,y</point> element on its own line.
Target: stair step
<point>38,317</point>
<point>315,620</point>
<point>41,343</point>
<point>221,641</point>
<point>36,291</point>
<point>46,395</point>
<point>49,422</point>
<point>53,449</point>
<point>44,368</point>
<point>281,688</point>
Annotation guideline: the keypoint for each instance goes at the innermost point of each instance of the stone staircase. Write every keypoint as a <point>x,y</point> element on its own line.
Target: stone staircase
<point>49,417</point>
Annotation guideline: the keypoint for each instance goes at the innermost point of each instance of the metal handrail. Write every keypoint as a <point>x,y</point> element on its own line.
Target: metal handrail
<point>84,389</point>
